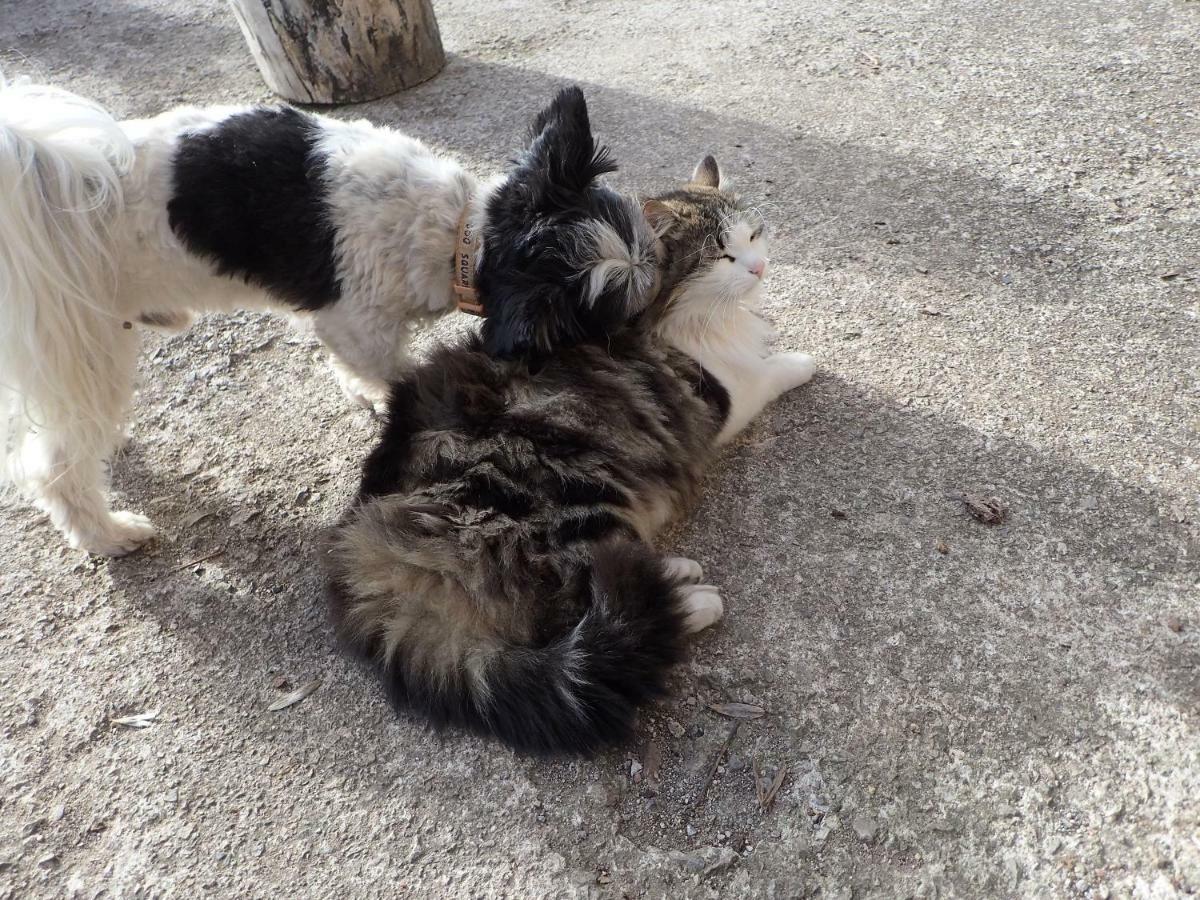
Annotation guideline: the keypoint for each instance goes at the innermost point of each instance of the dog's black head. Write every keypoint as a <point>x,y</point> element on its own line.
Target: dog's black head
<point>564,258</point>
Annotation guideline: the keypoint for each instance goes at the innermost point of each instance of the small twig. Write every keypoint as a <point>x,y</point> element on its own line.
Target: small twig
<point>195,562</point>
<point>712,769</point>
<point>759,791</point>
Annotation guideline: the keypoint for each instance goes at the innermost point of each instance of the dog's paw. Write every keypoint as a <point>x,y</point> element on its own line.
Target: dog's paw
<point>121,440</point>
<point>372,403</point>
<point>370,395</point>
<point>682,569</point>
<point>119,534</point>
<point>702,606</point>
<point>361,395</point>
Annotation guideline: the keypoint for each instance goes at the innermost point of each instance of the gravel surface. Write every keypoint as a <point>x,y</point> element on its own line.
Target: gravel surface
<point>986,230</point>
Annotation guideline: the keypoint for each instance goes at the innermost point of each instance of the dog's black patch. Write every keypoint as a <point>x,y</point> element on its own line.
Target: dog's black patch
<point>249,194</point>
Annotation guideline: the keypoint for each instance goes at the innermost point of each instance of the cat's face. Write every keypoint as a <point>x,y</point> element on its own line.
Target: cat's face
<point>713,249</point>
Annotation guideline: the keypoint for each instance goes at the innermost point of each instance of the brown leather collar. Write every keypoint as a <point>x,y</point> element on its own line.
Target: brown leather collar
<point>463,279</point>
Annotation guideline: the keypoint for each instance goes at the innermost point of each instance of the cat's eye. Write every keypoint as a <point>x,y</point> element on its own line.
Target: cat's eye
<point>728,257</point>
<point>757,233</point>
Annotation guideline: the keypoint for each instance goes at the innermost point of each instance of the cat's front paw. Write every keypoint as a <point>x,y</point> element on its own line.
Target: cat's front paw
<point>793,369</point>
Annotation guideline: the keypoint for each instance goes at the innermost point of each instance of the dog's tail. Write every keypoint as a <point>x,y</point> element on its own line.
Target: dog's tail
<point>61,162</point>
<point>405,594</point>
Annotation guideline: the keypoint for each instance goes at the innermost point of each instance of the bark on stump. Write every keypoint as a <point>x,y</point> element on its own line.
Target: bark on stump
<point>341,51</point>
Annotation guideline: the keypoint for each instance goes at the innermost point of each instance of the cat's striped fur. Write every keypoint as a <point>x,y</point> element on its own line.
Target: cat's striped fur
<point>497,565</point>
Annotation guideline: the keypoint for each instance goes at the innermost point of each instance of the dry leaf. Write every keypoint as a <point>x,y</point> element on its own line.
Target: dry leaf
<point>242,516</point>
<point>141,720</point>
<point>989,510</point>
<point>738,710</point>
<point>766,795</point>
<point>773,791</point>
<point>295,696</point>
<point>192,518</point>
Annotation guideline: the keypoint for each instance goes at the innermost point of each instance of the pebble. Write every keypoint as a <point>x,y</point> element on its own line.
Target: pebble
<point>724,859</point>
<point>865,827</point>
<point>709,861</point>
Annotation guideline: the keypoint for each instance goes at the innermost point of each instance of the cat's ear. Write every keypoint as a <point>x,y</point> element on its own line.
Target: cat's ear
<point>658,214</point>
<point>707,173</point>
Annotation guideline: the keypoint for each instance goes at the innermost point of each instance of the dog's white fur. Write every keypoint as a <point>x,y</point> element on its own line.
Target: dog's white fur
<point>86,251</point>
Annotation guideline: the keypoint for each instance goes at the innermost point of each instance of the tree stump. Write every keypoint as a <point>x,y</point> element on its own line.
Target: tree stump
<point>341,51</point>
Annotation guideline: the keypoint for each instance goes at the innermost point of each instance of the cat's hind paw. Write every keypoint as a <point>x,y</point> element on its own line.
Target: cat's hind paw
<point>702,606</point>
<point>682,569</point>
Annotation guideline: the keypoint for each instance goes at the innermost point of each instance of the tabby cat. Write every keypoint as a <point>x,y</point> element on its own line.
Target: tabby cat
<point>497,565</point>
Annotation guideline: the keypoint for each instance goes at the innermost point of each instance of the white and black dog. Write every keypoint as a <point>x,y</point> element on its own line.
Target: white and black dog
<point>106,225</point>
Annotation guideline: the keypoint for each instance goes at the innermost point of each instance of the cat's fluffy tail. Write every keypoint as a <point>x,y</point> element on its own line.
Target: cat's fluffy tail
<point>397,600</point>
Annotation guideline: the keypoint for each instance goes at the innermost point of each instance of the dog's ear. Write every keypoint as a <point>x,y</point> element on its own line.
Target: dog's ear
<point>707,173</point>
<point>563,157</point>
<point>553,110</point>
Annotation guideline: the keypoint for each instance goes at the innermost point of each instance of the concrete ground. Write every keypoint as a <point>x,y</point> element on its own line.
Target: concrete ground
<point>986,229</point>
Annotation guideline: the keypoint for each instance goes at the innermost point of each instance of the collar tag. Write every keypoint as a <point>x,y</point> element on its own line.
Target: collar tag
<point>465,252</point>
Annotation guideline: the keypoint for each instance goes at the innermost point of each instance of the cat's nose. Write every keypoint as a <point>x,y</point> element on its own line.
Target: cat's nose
<point>758,268</point>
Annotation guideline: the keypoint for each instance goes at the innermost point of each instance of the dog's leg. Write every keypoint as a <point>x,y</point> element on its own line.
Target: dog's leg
<point>62,458</point>
<point>365,349</point>
<point>72,495</point>
<point>365,392</point>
